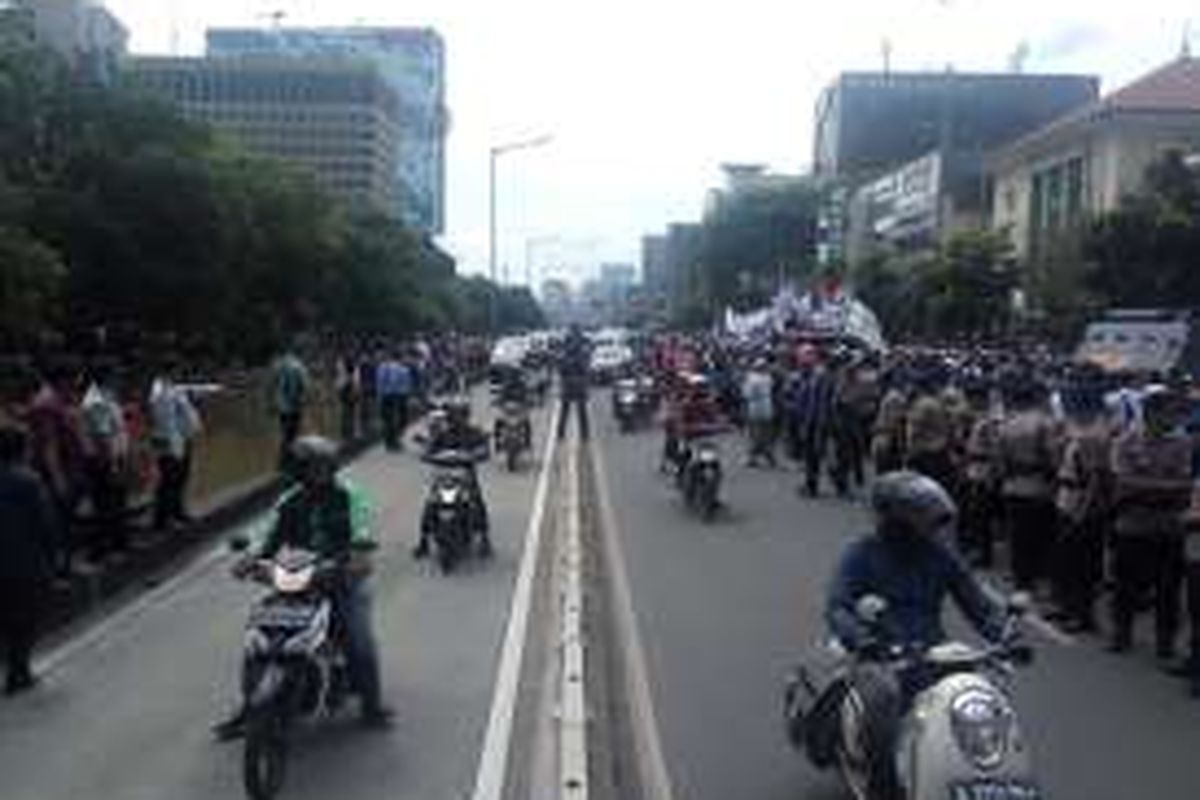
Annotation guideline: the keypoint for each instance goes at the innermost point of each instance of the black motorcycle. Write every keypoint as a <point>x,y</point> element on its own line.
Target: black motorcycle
<point>627,404</point>
<point>700,477</point>
<point>451,517</point>
<point>294,666</point>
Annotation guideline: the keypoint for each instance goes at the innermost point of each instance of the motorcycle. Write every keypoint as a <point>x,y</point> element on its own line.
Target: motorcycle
<point>627,404</point>
<point>294,666</point>
<point>959,740</point>
<point>449,516</point>
<point>700,477</point>
<point>513,433</point>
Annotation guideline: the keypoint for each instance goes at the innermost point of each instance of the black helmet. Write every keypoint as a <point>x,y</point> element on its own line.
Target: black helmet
<point>458,410</point>
<point>314,458</point>
<point>911,504</point>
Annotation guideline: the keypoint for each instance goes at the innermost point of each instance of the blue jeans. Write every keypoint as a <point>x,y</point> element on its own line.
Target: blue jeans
<point>352,604</point>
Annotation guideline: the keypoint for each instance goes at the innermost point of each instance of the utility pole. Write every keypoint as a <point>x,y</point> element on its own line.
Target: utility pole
<point>494,156</point>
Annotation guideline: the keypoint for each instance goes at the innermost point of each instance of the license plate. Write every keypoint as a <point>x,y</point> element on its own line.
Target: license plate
<point>995,790</point>
<point>447,514</point>
<point>284,616</point>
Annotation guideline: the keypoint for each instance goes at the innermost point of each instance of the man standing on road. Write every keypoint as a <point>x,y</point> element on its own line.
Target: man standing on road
<point>1028,450</point>
<point>394,383</point>
<point>290,383</point>
<point>1152,472</point>
<point>573,366</point>
<point>175,423</point>
<point>26,552</point>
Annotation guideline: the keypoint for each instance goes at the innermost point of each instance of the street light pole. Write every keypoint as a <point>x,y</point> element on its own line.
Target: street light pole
<point>494,155</point>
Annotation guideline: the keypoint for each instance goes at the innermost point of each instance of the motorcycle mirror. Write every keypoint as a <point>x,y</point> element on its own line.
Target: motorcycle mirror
<point>239,543</point>
<point>1020,603</point>
<point>870,608</point>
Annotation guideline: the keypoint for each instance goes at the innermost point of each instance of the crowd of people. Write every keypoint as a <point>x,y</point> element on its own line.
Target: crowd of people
<point>1082,479</point>
<point>91,446</point>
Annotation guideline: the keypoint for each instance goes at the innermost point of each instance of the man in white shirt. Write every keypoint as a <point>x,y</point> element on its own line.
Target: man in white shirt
<point>174,424</point>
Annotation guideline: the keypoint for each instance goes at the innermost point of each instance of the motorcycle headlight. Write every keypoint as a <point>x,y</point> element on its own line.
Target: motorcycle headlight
<point>982,722</point>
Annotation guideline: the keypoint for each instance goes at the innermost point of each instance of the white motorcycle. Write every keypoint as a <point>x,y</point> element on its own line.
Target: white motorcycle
<point>959,740</point>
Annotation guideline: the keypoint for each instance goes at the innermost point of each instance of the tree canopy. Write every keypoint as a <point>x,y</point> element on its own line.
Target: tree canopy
<point>117,213</point>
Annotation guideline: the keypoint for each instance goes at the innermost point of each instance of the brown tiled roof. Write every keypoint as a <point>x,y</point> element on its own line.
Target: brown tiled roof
<point>1174,87</point>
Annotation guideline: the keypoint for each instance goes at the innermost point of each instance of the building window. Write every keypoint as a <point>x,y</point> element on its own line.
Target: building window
<point>1054,198</point>
<point>1074,189</point>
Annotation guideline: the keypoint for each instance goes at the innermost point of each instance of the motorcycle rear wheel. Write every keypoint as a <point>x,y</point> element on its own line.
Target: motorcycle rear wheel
<point>264,760</point>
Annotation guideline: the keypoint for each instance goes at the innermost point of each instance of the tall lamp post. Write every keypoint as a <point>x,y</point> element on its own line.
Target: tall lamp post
<point>496,152</point>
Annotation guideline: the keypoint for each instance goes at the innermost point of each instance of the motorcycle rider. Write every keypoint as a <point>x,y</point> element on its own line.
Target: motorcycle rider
<point>514,390</point>
<point>692,413</point>
<point>328,514</point>
<point>459,434</point>
<point>910,563</point>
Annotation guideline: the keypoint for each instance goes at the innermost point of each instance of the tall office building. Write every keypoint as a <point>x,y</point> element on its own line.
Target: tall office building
<point>412,62</point>
<point>84,32</point>
<point>333,117</point>
<point>868,124</point>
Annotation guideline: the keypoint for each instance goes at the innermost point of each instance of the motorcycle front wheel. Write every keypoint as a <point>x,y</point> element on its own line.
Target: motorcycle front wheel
<point>513,458</point>
<point>264,763</point>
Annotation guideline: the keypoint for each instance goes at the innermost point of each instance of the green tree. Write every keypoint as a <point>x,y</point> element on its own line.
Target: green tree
<point>755,234</point>
<point>1144,254</point>
<point>963,289</point>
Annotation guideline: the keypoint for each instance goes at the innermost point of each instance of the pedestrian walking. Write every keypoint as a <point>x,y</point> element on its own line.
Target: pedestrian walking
<point>1151,466</point>
<point>810,412</point>
<point>394,383</point>
<point>290,387</point>
<point>107,451</point>
<point>1029,448</point>
<point>56,444</point>
<point>349,394</point>
<point>26,556</point>
<point>758,397</point>
<point>174,426</point>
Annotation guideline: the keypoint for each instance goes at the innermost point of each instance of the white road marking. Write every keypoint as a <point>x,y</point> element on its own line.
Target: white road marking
<point>647,746</point>
<point>572,694</point>
<point>493,760</point>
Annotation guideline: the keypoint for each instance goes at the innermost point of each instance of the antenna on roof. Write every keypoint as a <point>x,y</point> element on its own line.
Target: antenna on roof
<point>886,47</point>
<point>276,17</point>
<point>1186,49</point>
<point>1018,57</point>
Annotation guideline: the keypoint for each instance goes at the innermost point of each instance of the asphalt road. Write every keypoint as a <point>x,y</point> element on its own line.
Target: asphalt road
<point>725,609</point>
<point>127,715</point>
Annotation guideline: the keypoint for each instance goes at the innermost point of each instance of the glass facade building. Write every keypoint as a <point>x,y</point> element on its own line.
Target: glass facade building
<point>412,62</point>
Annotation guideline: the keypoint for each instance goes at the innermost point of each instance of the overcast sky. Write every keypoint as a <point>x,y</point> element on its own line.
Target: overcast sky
<point>646,98</point>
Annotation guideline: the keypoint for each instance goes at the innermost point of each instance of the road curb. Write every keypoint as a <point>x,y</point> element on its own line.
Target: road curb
<point>92,596</point>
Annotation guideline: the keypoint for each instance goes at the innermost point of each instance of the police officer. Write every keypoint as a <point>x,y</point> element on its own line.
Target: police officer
<point>1028,452</point>
<point>1083,500</point>
<point>929,432</point>
<point>981,501</point>
<point>887,440</point>
<point>1151,466</point>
